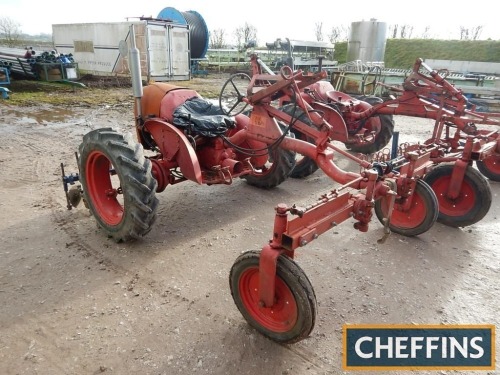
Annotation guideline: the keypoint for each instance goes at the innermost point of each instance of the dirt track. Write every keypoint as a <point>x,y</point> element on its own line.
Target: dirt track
<point>75,302</point>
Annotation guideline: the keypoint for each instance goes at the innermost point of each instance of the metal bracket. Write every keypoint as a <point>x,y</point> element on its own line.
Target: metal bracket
<point>71,201</point>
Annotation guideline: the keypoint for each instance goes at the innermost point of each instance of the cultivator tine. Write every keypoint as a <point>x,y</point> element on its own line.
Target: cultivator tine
<point>387,220</point>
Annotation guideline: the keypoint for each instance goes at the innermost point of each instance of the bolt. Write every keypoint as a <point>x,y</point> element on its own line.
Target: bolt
<point>315,235</point>
<point>334,224</point>
<point>303,243</point>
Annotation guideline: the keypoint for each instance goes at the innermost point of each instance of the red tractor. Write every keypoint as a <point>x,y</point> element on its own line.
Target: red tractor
<point>181,137</point>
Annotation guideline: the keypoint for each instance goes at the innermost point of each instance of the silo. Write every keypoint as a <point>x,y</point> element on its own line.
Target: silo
<point>367,41</point>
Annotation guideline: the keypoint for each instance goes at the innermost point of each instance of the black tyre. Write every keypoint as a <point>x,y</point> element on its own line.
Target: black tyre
<point>275,171</point>
<point>383,136</point>
<point>490,167</point>
<point>304,165</point>
<point>118,186</point>
<point>472,203</point>
<point>293,315</point>
<point>418,219</point>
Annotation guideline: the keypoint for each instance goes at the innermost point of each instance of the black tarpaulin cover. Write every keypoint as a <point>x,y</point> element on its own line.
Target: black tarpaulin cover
<point>202,117</point>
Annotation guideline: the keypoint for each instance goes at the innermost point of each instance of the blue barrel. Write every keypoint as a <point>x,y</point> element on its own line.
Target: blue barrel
<point>198,31</point>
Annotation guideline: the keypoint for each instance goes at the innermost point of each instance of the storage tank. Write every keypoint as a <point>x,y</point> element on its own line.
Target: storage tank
<point>198,31</point>
<point>367,41</point>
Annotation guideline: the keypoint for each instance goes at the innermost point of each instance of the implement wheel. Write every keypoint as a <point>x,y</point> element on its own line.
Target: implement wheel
<point>418,219</point>
<point>490,167</point>
<point>118,186</point>
<point>293,314</point>
<point>472,203</point>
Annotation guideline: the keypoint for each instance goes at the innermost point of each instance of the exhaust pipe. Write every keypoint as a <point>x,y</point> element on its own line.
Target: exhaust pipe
<point>135,71</point>
<point>235,166</point>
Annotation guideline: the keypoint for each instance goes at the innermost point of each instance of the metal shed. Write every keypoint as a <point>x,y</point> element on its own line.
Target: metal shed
<point>163,45</point>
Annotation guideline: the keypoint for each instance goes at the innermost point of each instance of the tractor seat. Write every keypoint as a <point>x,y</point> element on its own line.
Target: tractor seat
<point>341,98</point>
<point>199,116</point>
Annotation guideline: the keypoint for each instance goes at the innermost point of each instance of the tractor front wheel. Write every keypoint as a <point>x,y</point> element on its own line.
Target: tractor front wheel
<point>473,201</point>
<point>418,218</point>
<point>117,183</point>
<point>293,314</point>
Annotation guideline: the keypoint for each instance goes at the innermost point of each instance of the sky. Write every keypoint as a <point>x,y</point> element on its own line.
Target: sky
<point>272,19</point>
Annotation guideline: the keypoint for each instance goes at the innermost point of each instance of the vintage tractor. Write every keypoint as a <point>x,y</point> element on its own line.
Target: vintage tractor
<point>463,193</point>
<point>181,136</point>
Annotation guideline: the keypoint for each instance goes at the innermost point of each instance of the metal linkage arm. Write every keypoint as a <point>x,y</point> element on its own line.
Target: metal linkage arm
<point>316,220</point>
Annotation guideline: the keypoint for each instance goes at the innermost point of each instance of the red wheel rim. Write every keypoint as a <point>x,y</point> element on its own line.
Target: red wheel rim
<point>492,163</point>
<point>101,190</point>
<point>410,218</point>
<point>460,206</point>
<point>282,316</point>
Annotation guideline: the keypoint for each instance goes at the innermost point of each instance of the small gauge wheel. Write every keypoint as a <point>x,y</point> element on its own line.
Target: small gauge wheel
<point>293,314</point>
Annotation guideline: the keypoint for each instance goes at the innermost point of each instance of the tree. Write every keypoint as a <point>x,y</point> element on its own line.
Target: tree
<point>426,34</point>
<point>406,31</point>
<point>245,34</point>
<point>400,31</point>
<point>318,30</point>
<point>339,34</point>
<point>393,30</point>
<point>217,39</point>
<point>470,33</point>
<point>10,31</point>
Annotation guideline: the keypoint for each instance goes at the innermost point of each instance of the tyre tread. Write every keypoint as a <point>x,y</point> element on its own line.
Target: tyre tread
<point>140,202</point>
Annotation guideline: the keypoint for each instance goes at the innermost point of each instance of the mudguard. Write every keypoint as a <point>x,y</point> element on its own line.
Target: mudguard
<point>335,119</point>
<point>175,147</point>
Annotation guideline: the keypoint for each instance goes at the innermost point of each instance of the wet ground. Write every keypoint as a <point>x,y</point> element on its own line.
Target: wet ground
<point>73,301</point>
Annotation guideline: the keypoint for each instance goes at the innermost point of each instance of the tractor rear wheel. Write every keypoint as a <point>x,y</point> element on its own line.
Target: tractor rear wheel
<point>304,165</point>
<point>293,315</point>
<point>384,131</point>
<point>275,171</point>
<point>418,219</point>
<point>118,186</point>
<point>472,203</point>
<point>490,167</point>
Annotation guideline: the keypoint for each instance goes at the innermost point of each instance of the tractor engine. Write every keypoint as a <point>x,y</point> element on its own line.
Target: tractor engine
<point>190,132</point>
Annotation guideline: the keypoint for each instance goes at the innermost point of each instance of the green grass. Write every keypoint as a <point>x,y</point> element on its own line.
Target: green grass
<point>402,53</point>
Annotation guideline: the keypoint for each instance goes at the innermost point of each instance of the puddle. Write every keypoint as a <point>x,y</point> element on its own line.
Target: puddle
<point>41,116</point>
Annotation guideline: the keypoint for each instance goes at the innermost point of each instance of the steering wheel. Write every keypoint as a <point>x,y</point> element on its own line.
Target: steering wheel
<point>232,94</point>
